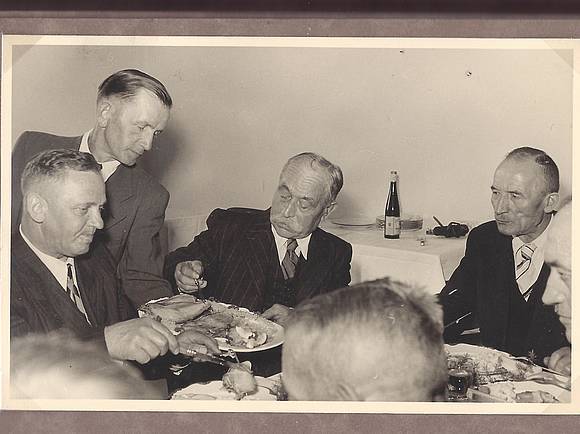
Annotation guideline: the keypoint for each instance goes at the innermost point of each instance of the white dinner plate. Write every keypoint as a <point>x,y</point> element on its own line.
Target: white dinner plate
<point>275,335</point>
<point>214,390</point>
<point>353,221</point>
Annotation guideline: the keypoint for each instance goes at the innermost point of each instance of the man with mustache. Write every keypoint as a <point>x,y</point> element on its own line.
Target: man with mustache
<point>132,109</point>
<point>59,280</point>
<point>270,259</point>
<point>559,287</point>
<point>500,282</point>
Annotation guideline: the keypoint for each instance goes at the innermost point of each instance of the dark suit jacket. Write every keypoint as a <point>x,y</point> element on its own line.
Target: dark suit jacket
<point>240,259</point>
<point>38,304</point>
<point>133,217</point>
<point>483,282</point>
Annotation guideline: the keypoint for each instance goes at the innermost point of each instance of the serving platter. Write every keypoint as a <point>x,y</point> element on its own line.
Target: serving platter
<point>220,319</point>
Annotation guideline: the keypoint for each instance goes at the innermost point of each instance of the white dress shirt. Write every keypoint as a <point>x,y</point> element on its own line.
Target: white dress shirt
<point>109,167</point>
<point>302,247</point>
<point>58,267</point>
<point>538,256</point>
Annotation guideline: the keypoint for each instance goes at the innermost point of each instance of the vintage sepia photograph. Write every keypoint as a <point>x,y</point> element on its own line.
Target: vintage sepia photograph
<point>285,224</point>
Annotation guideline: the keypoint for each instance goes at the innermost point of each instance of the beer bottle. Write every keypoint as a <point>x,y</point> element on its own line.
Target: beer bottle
<point>392,210</point>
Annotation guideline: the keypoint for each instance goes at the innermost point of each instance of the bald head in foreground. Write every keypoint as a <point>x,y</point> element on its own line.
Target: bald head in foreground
<point>376,341</point>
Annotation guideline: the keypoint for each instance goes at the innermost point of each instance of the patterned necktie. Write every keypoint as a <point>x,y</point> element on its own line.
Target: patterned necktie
<point>73,291</point>
<point>524,256</point>
<point>290,259</point>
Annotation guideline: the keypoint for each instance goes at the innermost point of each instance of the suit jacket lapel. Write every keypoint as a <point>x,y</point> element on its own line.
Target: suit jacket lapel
<point>312,271</point>
<point>88,282</point>
<point>47,290</point>
<point>121,190</point>
<point>262,255</point>
<point>503,276</point>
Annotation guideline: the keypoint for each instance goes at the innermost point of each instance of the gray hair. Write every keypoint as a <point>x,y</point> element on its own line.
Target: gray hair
<point>54,164</point>
<point>318,161</point>
<point>128,82</point>
<point>547,165</point>
<point>389,310</point>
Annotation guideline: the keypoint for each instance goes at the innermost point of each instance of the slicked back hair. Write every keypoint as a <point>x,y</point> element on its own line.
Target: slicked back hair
<point>544,161</point>
<point>126,83</point>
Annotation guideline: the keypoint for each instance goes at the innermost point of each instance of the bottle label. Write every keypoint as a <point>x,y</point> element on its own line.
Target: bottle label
<point>392,225</point>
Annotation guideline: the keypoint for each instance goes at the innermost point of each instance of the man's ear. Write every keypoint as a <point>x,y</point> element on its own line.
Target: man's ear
<point>329,208</point>
<point>35,206</point>
<point>104,111</point>
<point>552,201</point>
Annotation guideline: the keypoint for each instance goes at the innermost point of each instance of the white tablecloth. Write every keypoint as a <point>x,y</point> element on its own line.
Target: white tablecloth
<point>374,257</point>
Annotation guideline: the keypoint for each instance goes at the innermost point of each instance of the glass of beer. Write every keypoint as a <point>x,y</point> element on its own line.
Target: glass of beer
<point>460,380</point>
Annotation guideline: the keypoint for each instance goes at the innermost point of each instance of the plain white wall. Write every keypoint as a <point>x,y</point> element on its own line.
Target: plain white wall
<point>443,118</point>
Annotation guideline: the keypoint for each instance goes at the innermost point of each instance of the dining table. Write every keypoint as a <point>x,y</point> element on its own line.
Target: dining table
<point>421,259</point>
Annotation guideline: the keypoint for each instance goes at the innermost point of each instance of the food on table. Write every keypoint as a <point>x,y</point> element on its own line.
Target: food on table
<point>240,380</point>
<point>175,310</point>
<point>507,392</point>
<point>488,365</point>
<point>233,325</point>
<point>236,326</point>
<point>246,337</point>
<point>269,389</point>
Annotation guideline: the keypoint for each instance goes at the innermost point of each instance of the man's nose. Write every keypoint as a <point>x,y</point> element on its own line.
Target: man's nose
<point>501,204</point>
<point>290,209</point>
<point>148,135</point>
<point>96,219</point>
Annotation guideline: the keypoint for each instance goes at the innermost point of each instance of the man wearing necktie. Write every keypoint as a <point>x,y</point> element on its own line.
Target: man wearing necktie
<point>270,260</point>
<point>499,284</point>
<point>132,109</point>
<point>60,279</point>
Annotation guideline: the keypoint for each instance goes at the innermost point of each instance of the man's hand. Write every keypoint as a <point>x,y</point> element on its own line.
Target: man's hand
<point>140,339</point>
<point>560,361</point>
<point>277,313</point>
<point>193,340</point>
<point>188,276</point>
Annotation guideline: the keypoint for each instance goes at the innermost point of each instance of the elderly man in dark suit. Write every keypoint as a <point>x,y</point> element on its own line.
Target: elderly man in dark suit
<point>270,259</point>
<point>132,108</point>
<point>59,280</point>
<point>499,284</point>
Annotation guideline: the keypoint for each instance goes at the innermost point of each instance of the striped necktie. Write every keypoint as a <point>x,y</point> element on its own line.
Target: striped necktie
<point>524,279</point>
<point>290,259</point>
<point>73,291</point>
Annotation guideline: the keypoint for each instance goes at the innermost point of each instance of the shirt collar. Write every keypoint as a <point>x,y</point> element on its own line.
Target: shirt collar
<point>302,247</point>
<point>108,167</point>
<point>58,267</point>
<point>539,242</point>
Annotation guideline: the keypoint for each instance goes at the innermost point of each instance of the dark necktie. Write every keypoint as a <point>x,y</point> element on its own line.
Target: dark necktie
<point>523,275</point>
<point>73,291</point>
<point>290,259</point>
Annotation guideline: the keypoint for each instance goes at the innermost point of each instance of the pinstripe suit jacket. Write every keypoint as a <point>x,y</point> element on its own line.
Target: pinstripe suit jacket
<point>241,261</point>
<point>38,304</point>
<point>133,216</point>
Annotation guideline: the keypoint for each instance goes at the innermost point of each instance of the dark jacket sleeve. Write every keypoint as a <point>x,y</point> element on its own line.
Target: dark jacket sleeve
<point>341,268</point>
<point>458,297</point>
<point>140,268</point>
<point>204,248</point>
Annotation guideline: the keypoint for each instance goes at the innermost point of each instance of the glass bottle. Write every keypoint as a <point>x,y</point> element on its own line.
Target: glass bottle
<point>392,209</point>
